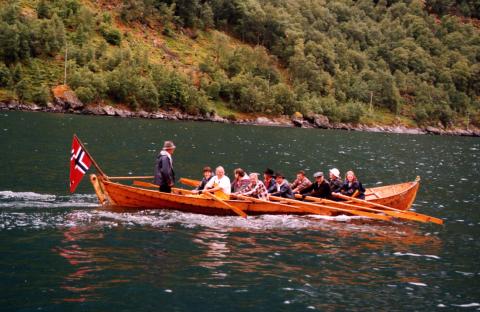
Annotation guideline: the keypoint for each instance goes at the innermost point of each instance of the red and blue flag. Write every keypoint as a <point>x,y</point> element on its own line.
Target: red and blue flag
<point>80,162</point>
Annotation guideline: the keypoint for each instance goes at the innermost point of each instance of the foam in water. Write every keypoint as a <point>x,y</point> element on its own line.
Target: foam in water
<point>9,199</point>
<point>34,210</point>
<point>415,255</point>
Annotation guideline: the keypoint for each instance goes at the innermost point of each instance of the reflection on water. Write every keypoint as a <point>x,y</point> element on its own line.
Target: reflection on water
<point>87,263</point>
<point>308,256</point>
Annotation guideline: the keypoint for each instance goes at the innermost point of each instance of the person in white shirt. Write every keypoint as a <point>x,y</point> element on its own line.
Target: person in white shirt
<point>219,184</point>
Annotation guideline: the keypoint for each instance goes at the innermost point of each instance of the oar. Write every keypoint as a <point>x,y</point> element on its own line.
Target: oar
<point>312,210</point>
<point>420,216</point>
<point>236,209</point>
<point>131,178</point>
<point>145,184</point>
<point>396,214</point>
<point>350,211</point>
<point>189,182</point>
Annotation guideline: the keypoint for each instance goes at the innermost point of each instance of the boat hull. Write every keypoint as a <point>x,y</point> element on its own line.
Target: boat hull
<point>400,196</point>
<point>125,196</point>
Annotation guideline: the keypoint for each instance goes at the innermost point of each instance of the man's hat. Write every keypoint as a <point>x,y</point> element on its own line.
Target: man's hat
<point>318,174</point>
<point>269,171</point>
<point>335,172</point>
<point>168,145</point>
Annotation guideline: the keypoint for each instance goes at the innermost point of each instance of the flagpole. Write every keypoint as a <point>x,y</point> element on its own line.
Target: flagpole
<point>93,160</point>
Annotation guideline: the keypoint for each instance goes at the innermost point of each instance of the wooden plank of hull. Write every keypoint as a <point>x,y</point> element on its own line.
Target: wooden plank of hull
<point>399,196</point>
<point>132,197</point>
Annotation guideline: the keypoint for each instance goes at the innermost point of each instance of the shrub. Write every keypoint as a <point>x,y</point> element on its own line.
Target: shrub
<point>111,35</point>
<point>40,95</point>
<point>85,94</point>
<point>5,76</point>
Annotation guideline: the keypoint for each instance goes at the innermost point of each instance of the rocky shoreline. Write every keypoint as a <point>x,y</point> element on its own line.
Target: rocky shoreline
<point>68,103</point>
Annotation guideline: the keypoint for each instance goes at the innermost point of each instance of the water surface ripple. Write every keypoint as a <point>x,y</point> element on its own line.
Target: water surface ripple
<point>62,252</point>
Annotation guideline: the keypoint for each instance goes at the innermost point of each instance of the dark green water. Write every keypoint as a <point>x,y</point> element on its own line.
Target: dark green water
<point>60,252</point>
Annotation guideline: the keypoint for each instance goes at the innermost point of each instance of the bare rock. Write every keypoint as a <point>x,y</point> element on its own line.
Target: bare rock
<point>13,104</point>
<point>66,98</point>
<point>122,112</point>
<point>109,110</point>
<point>321,121</point>
<point>342,126</point>
<point>143,114</point>
<point>434,130</point>
<point>297,122</point>
<point>216,118</point>
<point>35,107</point>
<point>93,110</point>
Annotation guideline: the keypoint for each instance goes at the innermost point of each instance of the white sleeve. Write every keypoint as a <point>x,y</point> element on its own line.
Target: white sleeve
<point>211,182</point>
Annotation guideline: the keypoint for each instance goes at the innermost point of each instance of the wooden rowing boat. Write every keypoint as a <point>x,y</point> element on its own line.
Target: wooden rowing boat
<point>110,193</point>
<point>400,196</point>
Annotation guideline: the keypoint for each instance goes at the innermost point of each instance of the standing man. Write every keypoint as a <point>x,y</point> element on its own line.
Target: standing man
<point>164,175</point>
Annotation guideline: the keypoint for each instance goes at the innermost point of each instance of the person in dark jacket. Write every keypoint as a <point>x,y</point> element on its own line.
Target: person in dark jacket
<point>320,188</point>
<point>207,175</point>
<point>282,187</point>
<point>335,182</point>
<point>269,180</point>
<point>164,175</point>
<point>352,187</point>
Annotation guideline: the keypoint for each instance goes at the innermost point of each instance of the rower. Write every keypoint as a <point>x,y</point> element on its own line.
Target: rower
<point>164,175</point>
<point>320,188</point>
<point>300,183</point>
<point>269,181</point>
<point>352,187</point>
<point>335,181</point>
<point>282,186</point>
<point>207,175</point>
<point>241,180</point>
<point>219,184</point>
<point>256,188</point>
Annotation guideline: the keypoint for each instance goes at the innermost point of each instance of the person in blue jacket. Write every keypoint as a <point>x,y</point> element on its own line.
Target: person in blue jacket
<point>282,187</point>
<point>164,174</point>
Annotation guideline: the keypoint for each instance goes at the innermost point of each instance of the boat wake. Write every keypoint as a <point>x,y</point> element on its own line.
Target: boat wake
<point>9,199</point>
<point>33,210</point>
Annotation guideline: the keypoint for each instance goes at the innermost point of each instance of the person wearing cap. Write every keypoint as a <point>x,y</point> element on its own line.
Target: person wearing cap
<point>269,180</point>
<point>335,181</point>
<point>219,185</point>
<point>241,181</point>
<point>256,188</point>
<point>164,174</point>
<point>352,187</point>
<point>282,187</point>
<point>320,188</point>
<point>300,183</point>
<point>207,175</point>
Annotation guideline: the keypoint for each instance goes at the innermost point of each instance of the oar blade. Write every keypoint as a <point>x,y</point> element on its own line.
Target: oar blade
<point>189,182</point>
<point>235,209</point>
<point>145,184</point>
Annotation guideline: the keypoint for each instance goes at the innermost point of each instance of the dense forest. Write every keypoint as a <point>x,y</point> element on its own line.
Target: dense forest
<point>348,60</point>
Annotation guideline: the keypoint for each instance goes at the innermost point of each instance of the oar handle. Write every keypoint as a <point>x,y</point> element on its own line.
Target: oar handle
<point>235,209</point>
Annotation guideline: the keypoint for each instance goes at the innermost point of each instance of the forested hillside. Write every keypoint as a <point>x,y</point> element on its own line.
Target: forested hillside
<point>417,62</point>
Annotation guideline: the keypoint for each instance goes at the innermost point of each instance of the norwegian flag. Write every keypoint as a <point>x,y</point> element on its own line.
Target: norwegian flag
<point>80,162</point>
